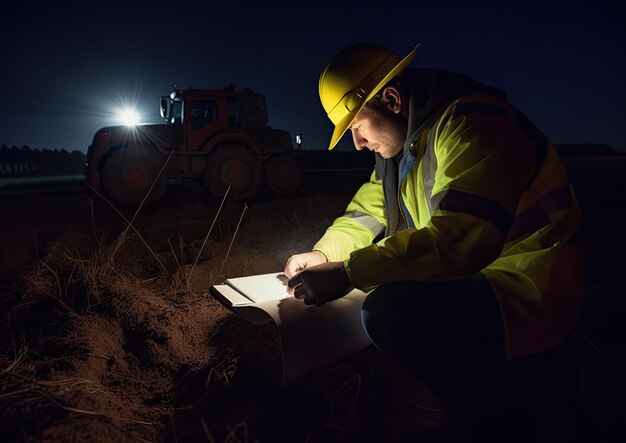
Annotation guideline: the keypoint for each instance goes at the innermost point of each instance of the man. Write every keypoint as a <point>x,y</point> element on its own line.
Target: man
<point>464,232</point>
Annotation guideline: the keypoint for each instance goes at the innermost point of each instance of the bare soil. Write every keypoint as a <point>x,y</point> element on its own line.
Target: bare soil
<point>109,333</point>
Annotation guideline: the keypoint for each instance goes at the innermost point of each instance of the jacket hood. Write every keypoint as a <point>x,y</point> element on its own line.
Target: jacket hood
<point>432,91</point>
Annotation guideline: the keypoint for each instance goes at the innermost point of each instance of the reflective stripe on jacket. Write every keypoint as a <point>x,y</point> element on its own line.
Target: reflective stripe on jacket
<point>486,192</point>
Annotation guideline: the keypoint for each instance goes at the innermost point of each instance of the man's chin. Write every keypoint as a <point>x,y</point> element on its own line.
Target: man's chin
<point>387,153</point>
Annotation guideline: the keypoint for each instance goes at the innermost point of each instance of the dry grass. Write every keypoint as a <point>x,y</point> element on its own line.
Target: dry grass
<point>114,338</point>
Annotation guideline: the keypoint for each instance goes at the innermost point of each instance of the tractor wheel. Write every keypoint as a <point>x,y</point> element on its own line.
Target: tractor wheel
<point>233,165</point>
<point>128,174</point>
<point>282,174</point>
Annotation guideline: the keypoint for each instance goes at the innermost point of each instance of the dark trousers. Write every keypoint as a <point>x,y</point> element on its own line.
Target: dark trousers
<point>451,336</point>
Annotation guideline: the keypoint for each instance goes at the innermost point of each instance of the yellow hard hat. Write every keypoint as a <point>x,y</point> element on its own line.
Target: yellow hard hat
<point>352,77</point>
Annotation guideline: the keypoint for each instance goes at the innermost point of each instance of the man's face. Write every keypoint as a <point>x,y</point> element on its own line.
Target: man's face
<point>379,130</point>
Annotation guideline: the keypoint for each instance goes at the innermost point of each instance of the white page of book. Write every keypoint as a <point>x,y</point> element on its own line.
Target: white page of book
<point>260,288</point>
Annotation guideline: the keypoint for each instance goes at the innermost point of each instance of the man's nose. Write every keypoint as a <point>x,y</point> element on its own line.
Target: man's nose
<point>359,141</point>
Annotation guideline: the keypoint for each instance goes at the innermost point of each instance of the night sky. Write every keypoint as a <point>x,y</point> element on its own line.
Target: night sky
<point>68,66</point>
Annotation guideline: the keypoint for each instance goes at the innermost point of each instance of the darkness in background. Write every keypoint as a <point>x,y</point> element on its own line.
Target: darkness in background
<point>67,66</point>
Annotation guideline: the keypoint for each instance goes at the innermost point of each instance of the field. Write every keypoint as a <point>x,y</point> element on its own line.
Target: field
<point>109,334</point>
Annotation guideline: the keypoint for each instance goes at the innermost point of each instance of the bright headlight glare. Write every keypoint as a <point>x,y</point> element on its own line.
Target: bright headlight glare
<point>129,117</point>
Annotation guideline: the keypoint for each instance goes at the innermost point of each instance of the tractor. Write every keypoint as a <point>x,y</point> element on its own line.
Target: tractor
<point>212,139</point>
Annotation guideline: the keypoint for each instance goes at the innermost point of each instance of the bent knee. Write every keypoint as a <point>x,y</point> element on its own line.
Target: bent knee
<point>379,305</point>
<point>390,309</point>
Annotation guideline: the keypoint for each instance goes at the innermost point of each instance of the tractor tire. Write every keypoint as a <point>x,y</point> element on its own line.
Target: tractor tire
<point>129,172</point>
<point>282,174</point>
<point>233,165</point>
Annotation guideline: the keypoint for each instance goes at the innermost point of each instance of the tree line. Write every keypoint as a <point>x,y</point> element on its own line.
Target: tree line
<point>25,161</point>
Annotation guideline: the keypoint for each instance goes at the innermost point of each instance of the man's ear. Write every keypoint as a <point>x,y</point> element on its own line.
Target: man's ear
<point>393,99</point>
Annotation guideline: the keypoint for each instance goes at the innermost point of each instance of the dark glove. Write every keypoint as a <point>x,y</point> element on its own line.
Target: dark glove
<point>320,284</point>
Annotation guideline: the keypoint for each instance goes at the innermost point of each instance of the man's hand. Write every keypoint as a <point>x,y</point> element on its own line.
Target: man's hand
<point>319,284</point>
<point>300,262</point>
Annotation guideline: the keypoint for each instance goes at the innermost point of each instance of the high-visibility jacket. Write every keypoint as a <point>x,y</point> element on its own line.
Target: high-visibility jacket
<point>481,190</point>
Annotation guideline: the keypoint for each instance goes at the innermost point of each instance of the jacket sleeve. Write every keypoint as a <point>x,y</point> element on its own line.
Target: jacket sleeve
<point>362,222</point>
<point>483,164</point>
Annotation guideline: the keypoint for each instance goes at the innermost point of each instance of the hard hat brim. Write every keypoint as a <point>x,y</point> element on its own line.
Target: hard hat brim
<point>344,124</point>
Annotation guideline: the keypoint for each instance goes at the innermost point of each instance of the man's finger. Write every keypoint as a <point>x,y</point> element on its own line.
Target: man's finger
<point>291,269</point>
<point>310,300</point>
<point>294,281</point>
<point>299,292</point>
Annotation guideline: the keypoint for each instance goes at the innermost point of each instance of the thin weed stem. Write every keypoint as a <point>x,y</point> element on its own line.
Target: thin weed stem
<point>93,223</point>
<point>132,220</point>
<point>206,237</point>
<point>145,198</point>
<point>317,217</point>
<point>173,427</point>
<point>35,241</point>
<point>343,427</point>
<point>173,253</point>
<point>205,428</point>
<point>232,433</point>
<point>108,264</point>
<point>232,240</point>
<point>59,298</point>
<point>295,216</point>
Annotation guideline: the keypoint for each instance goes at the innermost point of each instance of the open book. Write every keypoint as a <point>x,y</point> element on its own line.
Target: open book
<point>312,338</point>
